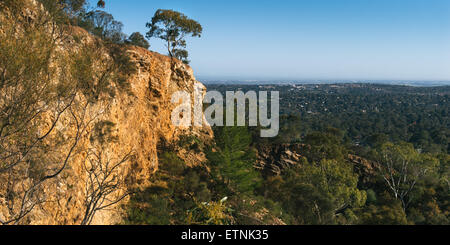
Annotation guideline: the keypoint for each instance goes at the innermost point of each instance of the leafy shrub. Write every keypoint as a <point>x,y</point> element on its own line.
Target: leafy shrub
<point>137,39</point>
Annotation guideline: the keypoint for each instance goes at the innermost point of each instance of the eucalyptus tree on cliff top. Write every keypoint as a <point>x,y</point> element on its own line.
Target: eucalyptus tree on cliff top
<point>173,27</point>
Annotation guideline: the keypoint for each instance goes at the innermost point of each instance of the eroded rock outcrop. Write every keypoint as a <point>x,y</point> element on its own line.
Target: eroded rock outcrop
<point>274,158</point>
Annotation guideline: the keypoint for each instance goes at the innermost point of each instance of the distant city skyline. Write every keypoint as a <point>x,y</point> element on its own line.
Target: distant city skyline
<point>308,39</point>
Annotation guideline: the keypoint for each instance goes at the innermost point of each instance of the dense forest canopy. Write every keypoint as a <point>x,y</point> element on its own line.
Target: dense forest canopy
<point>405,182</point>
<point>366,113</point>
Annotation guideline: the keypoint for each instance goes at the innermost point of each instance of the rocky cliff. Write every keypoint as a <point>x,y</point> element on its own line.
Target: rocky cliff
<point>137,121</point>
<point>142,122</point>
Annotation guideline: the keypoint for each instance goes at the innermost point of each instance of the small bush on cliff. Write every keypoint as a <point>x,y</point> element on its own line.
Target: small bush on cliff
<point>137,39</point>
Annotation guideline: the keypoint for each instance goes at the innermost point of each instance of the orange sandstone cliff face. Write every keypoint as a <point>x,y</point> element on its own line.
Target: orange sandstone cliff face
<point>139,121</point>
<point>142,121</point>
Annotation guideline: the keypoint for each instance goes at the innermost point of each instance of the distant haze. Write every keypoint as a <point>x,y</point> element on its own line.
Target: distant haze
<point>309,39</point>
<point>299,82</point>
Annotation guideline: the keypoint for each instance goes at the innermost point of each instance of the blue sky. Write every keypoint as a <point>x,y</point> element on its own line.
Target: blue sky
<point>308,39</point>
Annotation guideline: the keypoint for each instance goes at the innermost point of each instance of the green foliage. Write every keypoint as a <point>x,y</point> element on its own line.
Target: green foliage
<point>191,142</point>
<point>68,11</point>
<point>323,192</point>
<point>416,183</point>
<point>418,115</point>
<point>137,39</point>
<point>317,193</point>
<point>338,179</point>
<point>324,145</point>
<point>371,196</point>
<point>377,140</point>
<point>430,199</point>
<point>173,27</point>
<point>402,168</point>
<point>369,117</point>
<point>103,25</point>
<point>149,208</point>
<point>232,160</point>
<point>182,55</point>
<point>99,76</point>
<point>176,197</point>
<point>73,5</point>
<point>60,11</point>
<point>384,211</point>
<point>97,22</point>
<point>210,213</point>
<point>383,215</point>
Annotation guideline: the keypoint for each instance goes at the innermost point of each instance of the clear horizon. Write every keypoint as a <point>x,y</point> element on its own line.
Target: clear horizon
<point>406,40</point>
